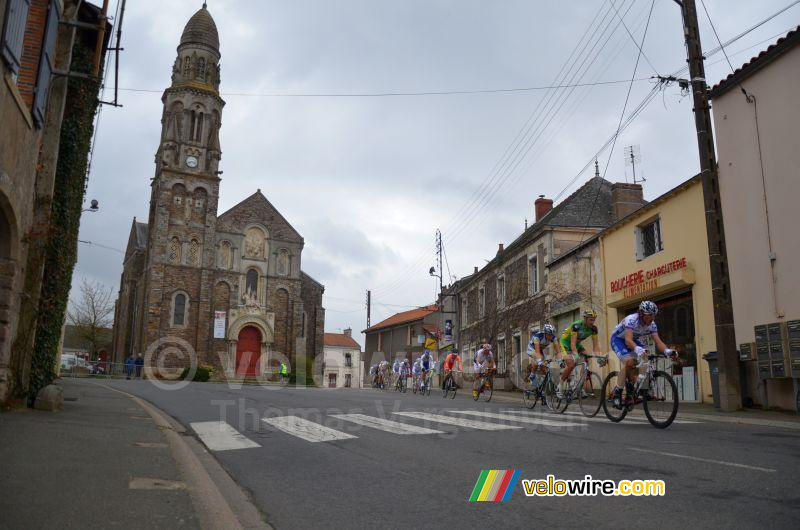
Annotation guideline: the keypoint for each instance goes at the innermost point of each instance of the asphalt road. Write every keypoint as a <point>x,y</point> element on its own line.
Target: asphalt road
<point>716,474</point>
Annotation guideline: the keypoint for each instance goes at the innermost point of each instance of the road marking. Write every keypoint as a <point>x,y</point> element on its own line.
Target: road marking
<point>305,429</point>
<point>144,483</point>
<point>219,436</point>
<point>521,419</point>
<point>385,425</point>
<point>460,422</point>
<point>709,460</point>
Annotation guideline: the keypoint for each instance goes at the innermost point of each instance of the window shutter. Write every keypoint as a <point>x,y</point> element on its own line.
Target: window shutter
<point>46,64</point>
<point>14,32</point>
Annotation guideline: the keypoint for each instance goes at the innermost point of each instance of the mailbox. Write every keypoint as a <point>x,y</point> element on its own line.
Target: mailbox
<point>747,351</point>
<point>764,370</point>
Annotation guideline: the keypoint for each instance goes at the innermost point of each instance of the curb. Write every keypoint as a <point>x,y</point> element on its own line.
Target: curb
<point>214,509</point>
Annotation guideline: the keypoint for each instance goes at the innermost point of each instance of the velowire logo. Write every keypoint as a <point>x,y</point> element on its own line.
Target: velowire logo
<point>495,485</point>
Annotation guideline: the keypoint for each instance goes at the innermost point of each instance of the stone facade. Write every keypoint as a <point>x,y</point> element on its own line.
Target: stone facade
<point>189,269</point>
<point>520,289</point>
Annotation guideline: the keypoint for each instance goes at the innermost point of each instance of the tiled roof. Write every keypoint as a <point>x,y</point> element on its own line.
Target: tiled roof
<point>341,340</point>
<point>405,316</point>
<point>430,328</point>
<point>781,46</point>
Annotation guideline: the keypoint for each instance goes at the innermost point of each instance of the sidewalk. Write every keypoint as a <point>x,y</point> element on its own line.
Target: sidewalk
<point>108,460</point>
<point>101,462</point>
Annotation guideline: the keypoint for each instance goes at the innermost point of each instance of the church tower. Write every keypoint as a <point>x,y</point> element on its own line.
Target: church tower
<point>185,192</point>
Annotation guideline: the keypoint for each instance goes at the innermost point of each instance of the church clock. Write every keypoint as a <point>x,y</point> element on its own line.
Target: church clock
<point>191,161</point>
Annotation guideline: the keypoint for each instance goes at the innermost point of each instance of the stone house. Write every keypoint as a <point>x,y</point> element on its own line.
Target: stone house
<point>342,362</point>
<point>519,290</point>
<point>36,48</point>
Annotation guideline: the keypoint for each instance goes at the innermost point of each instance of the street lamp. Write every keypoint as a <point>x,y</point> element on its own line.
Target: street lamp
<point>94,206</point>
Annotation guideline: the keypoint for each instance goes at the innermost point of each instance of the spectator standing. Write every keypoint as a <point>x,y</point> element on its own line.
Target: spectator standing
<point>139,363</point>
<point>129,364</point>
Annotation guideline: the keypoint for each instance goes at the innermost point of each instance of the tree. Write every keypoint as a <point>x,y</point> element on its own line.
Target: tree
<point>92,314</point>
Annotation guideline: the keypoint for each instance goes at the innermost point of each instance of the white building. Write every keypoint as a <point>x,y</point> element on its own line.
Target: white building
<point>342,363</point>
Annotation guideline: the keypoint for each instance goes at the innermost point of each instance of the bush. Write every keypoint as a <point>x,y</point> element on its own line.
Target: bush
<point>202,374</point>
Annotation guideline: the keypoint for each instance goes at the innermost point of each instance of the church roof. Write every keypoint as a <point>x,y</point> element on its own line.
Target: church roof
<point>141,234</point>
<point>201,29</point>
<point>257,207</point>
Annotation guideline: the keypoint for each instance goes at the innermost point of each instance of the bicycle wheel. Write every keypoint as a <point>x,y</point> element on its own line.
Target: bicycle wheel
<point>476,397</point>
<point>453,388</point>
<point>446,388</point>
<point>661,401</point>
<point>488,384</point>
<point>590,396</point>
<point>529,395</point>
<point>612,413</point>
<point>560,404</point>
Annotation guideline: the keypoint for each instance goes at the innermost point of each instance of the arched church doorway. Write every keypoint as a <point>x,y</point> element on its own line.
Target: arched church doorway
<point>248,351</point>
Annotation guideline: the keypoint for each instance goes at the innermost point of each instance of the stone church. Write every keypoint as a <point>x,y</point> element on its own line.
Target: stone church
<point>228,286</point>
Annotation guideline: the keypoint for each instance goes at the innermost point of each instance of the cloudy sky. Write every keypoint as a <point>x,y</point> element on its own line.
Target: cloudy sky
<point>366,177</point>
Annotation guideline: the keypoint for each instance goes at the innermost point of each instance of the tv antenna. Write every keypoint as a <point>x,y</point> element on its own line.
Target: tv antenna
<point>633,156</point>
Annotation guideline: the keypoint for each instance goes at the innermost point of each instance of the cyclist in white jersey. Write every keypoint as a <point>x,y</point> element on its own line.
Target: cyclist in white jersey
<point>627,341</point>
<point>483,364</point>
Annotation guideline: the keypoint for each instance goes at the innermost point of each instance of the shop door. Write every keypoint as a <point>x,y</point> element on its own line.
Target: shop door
<point>675,322</point>
<point>248,351</point>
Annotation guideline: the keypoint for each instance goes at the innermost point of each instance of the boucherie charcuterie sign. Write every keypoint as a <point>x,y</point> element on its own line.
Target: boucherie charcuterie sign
<point>645,280</point>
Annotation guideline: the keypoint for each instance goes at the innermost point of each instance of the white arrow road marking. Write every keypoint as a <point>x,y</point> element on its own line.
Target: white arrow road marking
<point>521,419</point>
<point>219,436</point>
<point>710,461</point>
<point>461,422</point>
<point>305,429</point>
<point>385,425</point>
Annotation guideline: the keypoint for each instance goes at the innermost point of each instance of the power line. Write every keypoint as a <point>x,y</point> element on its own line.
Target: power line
<point>717,36</point>
<point>398,93</point>
<point>101,246</point>
<point>633,39</point>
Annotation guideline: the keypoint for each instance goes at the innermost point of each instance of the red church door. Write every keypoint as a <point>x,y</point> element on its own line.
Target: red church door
<point>248,351</point>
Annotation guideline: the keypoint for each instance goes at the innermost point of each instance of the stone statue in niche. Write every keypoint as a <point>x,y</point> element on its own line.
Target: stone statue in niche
<point>176,69</point>
<point>250,300</point>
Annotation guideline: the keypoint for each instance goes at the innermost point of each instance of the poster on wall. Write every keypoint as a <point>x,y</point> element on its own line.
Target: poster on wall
<point>448,330</point>
<point>219,324</point>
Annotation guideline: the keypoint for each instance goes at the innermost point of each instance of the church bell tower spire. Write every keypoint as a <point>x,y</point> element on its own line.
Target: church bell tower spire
<point>192,113</point>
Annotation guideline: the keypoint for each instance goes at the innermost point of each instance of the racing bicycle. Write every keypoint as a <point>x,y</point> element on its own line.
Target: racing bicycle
<point>586,389</point>
<point>655,390</point>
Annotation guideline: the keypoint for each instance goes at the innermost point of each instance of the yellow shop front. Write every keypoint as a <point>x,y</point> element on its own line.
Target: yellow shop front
<point>660,253</point>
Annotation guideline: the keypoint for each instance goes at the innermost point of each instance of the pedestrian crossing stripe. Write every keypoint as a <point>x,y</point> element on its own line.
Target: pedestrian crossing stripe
<point>305,429</point>
<point>495,485</point>
<point>521,418</point>
<point>219,436</point>
<point>459,422</point>
<point>394,427</point>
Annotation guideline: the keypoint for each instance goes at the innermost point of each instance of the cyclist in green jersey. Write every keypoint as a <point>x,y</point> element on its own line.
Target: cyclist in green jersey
<point>571,339</point>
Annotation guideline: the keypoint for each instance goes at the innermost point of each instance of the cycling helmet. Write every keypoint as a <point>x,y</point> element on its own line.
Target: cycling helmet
<point>455,350</point>
<point>549,329</point>
<point>648,308</point>
<point>589,313</point>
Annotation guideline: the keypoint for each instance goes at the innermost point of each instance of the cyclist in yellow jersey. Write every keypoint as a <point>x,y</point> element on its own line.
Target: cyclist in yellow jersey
<point>571,339</point>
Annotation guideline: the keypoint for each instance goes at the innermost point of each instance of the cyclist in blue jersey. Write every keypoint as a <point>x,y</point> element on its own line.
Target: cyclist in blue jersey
<point>536,347</point>
<point>426,365</point>
<point>627,341</point>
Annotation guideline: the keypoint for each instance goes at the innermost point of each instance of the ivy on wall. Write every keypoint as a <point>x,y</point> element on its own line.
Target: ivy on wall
<point>61,246</point>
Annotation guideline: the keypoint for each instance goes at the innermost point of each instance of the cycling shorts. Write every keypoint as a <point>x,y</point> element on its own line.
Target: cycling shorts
<point>621,348</point>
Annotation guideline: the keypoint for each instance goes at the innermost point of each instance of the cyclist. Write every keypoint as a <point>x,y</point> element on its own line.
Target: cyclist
<point>426,364</point>
<point>571,340</point>
<point>416,370</point>
<point>483,364</point>
<point>538,343</point>
<point>405,369</point>
<point>448,365</point>
<point>373,372</point>
<point>627,341</point>
<point>383,372</point>
<point>396,371</point>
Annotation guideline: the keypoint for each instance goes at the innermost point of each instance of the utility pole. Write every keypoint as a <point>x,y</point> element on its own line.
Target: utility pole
<point>439,254</point>
<point>728,359</point>
<point>369,306</point>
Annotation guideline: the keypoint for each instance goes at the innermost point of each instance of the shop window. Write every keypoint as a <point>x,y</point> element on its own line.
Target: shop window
<point>648,239</point>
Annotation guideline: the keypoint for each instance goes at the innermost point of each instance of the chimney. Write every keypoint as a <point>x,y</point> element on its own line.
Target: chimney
<point>476,270</point>
<point>625,199</point>
<point>499,248</point>
<point>542,207</point>
<point>348,332</point>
